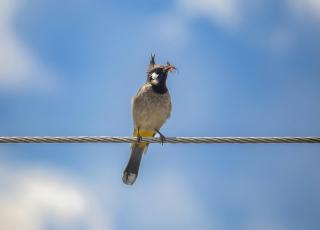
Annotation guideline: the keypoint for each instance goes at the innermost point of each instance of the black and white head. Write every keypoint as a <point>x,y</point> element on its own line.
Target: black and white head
<point>157,75</point>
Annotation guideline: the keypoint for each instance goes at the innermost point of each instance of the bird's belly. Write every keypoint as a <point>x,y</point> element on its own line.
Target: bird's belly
<point>150,116</point>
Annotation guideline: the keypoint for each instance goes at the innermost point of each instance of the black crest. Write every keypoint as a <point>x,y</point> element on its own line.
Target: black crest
<point>152,62</point>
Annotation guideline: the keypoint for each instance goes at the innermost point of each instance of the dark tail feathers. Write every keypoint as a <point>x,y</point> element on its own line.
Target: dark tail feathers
<point>130,174</point>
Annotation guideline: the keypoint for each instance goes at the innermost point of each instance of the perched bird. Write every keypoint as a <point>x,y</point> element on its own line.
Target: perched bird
<point>151,107</point>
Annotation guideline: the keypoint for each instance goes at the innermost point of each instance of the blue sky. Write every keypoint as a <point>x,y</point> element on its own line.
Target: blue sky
<point>246,68</point>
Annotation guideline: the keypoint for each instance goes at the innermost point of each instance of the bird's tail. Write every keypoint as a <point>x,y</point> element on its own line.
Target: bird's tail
<point>131,171</point>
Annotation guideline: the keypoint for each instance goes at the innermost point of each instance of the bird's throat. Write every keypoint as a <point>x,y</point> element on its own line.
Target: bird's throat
<point>160,88</point>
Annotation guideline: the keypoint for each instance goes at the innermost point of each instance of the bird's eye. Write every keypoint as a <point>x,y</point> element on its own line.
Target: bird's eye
<point>154,75</point>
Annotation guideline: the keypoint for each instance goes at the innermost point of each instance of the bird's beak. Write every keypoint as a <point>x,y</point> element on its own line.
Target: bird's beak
<point>169,68</point>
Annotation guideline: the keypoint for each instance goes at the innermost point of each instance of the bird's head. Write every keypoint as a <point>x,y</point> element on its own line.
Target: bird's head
<point>157,74</point>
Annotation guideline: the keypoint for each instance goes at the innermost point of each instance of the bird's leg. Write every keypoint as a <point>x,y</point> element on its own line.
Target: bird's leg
<point>138,136</point>
<point>162,137</point>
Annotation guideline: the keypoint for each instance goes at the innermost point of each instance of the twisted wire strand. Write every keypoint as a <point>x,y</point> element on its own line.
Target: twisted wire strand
<point>171,140</point>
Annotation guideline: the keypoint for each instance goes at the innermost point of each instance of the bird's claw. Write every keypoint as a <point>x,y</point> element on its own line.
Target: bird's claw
<point>139,137</point>
<point>162,137</point>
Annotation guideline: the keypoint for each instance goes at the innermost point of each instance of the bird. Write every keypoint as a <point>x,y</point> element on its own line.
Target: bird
<point>151,107</point>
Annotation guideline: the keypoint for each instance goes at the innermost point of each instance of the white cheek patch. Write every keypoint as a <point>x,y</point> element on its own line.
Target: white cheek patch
<point>154,76</point>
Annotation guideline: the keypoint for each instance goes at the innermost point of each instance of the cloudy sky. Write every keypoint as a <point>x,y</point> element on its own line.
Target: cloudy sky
<point>246,68</point>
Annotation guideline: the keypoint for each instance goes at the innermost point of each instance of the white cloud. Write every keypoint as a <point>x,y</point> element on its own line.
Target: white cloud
<point>32,196</point>
<point>233,16</point>
<point>305,8</point>
<point>33,199</point>
<point>19,66</point>
<point>229,15</point>
<point>174,24</point>
<point>166,202</point>
<point>226,12</point>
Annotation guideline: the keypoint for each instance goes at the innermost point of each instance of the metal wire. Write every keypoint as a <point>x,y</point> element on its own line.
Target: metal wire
<point>172,140</point>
